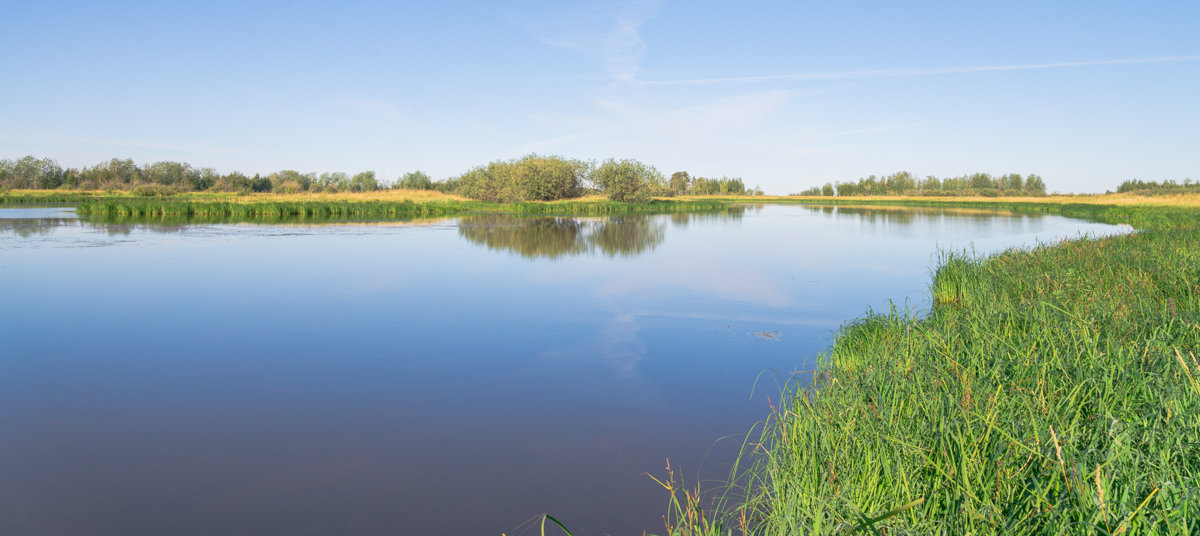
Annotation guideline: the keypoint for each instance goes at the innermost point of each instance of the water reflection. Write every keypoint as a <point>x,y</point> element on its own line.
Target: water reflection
<point>908,215</point>
<point>734,213</point>
<point>617,236</point>
<point>27,227</point>
<point>554,237</point>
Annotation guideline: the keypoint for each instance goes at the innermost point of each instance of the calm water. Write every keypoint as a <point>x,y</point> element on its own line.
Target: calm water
<point>456,376</point>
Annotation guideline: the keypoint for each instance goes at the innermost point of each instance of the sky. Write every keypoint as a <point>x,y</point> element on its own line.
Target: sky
<point>785,95</point>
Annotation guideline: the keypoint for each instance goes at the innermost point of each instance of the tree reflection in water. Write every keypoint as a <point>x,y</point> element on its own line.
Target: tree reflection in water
<point>553,237</point>
<point>559,237</point>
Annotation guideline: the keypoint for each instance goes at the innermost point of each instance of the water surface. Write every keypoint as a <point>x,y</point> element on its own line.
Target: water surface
<point>453,376</point>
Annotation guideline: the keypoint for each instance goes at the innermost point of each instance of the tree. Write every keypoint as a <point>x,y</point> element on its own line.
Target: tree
<point>364,182</point>
<point>1034,185</point>
<point>628,180</point>
<point>680,180</point>
<point>1012,181</point>
<point>167,173</point>
<point>415,180</point>
<point>827,190</point>
<point>532,178</point>
<point>30,172</point>
<point>732,186</point>
<point>333,181</point>
<point>260,184</point>
<point>931,185</point>
<point>982,181</point>
<point>899,183</point>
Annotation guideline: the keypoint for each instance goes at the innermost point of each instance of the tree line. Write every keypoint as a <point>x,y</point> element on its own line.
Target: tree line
<point>684,184</point>
<point>1154,188</point>
<point>529,178</point>
<point>171,177</point>
<point>904,183</point>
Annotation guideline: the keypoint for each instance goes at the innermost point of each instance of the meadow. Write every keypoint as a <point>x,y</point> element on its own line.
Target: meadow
<point>1053,390</point>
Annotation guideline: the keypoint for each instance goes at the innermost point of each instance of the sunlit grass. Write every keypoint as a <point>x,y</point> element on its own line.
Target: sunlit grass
<point>1048,391</point>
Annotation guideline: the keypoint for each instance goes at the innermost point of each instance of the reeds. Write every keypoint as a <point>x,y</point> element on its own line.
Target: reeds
<point>366,208</point>
<point>1048,391</point>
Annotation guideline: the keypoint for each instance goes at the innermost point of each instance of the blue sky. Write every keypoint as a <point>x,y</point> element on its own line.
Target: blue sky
<point>785,95</point>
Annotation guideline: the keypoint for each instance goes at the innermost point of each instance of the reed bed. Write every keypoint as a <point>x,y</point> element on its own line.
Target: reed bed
<point>367,208</point>
<point>1047,391</point>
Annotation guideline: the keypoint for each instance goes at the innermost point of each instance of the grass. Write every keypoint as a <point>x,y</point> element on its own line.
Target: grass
<point>1047,391</point>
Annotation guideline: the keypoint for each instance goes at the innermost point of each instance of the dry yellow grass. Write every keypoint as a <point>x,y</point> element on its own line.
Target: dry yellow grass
<point>379,195</point>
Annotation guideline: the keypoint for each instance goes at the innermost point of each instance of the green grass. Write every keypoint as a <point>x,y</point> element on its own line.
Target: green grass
<point>1048,391</point>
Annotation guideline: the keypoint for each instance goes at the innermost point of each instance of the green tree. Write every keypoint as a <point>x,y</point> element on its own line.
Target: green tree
<point>415,180</point>
<point>827,190</point>
<point>628,180</point>
<point>177,174</point>
<point>680,180</point>
<point>260,184</point>
<point>30,172</point>
<point>364,182</point>
<point>1034,185</point>
<point>899,183</point>
<point>931,186</point>
<point>982,181</point>
<point>531,178</point>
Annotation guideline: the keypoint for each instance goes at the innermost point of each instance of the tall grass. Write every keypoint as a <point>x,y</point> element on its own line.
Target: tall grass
<point>1047,391</point>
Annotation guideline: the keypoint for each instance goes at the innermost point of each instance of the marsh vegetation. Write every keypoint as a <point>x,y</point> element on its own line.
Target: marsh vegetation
<point>1047,391</point>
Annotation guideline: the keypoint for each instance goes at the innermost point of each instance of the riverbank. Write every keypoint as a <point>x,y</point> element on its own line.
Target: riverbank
<point>1048,391</point>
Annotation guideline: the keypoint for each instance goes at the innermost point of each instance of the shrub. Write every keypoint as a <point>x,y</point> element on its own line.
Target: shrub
<point>415,180</point>
<point>628,180</point>
<point>532,178</point>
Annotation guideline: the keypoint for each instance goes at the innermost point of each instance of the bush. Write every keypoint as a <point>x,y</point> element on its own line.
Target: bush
<point>628,180</point>
<point>289,187</point>
<point>415,180</point>
<point>532,178</point>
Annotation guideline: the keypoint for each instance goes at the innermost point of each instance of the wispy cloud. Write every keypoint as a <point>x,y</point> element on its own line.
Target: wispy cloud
<point>608,32</point>
<point>894,73</point>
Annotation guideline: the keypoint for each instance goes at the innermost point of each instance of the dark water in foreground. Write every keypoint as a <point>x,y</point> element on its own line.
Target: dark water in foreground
<point>456,376</point>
